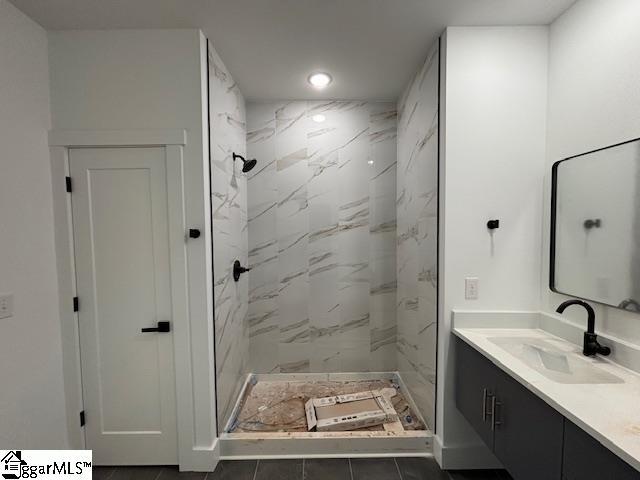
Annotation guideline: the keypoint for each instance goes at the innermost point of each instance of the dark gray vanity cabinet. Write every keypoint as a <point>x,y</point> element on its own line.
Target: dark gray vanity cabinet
<point>476,381</point>
<point>528,433</point>
<point>532,440</point>
<point>523,432</point>
<point>585,458</point>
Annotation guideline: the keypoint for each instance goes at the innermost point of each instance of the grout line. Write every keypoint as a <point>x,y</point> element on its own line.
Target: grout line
<point>159,473</point>
<point>350,469</point>
<point>111,474</point>
<point>303,469</point>
<point>397,468</point>
<point>255,472</point>
<point>214,470</point>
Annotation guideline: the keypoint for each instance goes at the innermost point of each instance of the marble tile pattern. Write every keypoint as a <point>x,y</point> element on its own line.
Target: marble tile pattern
<point>417,230</point>
<point>229,228</point>
<point>322,236</point>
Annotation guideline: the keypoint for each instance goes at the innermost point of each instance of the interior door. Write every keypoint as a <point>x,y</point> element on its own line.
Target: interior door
<point>121,239</point>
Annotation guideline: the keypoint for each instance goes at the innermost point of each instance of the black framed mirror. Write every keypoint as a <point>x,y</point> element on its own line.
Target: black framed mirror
<point>595,226</point>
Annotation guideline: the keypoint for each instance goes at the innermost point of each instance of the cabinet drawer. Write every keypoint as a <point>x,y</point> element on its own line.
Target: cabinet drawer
<point>587,459</point>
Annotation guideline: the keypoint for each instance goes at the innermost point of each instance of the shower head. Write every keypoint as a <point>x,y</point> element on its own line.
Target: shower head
<point>247,165</point>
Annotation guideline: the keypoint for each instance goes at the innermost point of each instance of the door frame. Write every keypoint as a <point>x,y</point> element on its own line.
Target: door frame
<point>192,455</point>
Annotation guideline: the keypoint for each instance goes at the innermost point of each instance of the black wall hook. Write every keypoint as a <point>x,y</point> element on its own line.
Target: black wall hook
<point>592,223</point>
<point>493,224</point>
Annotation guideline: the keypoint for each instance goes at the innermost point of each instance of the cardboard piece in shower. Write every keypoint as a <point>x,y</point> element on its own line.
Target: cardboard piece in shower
<point>352,411</point>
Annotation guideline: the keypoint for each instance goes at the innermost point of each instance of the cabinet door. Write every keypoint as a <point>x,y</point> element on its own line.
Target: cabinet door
<point>587,459</point>
<point>475,384</point>
<point>528,433</point>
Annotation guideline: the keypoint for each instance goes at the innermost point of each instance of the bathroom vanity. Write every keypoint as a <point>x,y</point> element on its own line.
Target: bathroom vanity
<point>547,398</point>
<point>545,410</point>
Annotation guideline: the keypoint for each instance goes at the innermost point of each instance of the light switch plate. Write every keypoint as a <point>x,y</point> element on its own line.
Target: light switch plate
<point>6,305</point>
<point>471,288</point>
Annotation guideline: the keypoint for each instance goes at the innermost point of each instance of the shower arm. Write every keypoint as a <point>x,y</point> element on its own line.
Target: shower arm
<point>247,165</point>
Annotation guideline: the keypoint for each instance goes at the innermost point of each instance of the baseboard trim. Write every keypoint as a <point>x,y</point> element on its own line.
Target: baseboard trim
<point>328,455</point>
<point>437,449</point>
<point>464,457</point>
<point>201,459</point>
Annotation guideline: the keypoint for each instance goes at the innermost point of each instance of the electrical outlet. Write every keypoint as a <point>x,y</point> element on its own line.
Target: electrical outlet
<point>471,288</point>
<point>6,305</point>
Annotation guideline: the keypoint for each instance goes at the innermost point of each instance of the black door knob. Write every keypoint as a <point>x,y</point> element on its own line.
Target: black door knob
<point>163,327</point>
<point>238,270</point>
<point>194,233</point>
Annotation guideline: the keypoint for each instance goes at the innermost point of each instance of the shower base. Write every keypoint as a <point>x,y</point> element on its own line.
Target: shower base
<point>269,419</point>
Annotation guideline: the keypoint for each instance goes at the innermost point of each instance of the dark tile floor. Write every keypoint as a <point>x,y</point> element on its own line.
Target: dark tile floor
<point>308,469</point>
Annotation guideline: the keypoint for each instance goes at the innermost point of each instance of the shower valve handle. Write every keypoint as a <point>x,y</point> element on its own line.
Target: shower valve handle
<point>238,270</point>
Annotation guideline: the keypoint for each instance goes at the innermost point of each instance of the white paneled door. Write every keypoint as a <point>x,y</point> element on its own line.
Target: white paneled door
<point>121,240</point>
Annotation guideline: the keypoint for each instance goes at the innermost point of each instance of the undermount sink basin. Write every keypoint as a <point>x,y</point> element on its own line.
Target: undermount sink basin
<point>555,360</point>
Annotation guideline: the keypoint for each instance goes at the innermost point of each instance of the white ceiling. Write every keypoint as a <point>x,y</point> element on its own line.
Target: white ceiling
<point>371,47</point>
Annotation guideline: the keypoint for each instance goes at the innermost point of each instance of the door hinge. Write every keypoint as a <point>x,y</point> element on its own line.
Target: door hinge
<point>76,304</point>
<point>68,183</point>
<point>82,419</point>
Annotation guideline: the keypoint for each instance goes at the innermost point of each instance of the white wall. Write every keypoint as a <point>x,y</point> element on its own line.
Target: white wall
<point>32,413</point>
<point>153,79</point>
<point>594,101</point>
<point>492,166</point>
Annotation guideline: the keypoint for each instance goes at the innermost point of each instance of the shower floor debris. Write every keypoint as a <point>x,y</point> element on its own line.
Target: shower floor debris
<point>278,406</point>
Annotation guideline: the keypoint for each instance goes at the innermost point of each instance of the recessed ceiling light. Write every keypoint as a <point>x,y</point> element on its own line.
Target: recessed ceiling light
<point>320,79</point>
<point>370,162</point>
<point>319,118</point>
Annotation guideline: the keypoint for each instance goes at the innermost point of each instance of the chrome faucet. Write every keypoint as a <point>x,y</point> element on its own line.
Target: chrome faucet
<point>590,346</point>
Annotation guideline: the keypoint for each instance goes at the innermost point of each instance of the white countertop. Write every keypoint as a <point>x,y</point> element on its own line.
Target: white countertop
<point>608,412</point>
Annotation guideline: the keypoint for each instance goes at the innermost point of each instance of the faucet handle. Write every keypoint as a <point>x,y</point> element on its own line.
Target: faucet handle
<point>591,347</point>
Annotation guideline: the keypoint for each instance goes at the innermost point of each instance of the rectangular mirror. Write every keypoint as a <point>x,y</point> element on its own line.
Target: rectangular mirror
<point>595,226</point>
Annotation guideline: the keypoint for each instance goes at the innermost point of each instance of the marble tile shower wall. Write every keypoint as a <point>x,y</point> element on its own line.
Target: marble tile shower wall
<point>322,237</point>
<point>229,229</point>
<point>417,215</point>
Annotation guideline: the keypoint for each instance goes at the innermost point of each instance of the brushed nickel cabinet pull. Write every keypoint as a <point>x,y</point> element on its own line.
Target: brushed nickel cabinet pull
<point>494,403</point>
<point>484,404</point>
<point>485,396</point>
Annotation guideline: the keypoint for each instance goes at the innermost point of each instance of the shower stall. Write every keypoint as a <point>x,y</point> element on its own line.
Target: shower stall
<point>335,225</point>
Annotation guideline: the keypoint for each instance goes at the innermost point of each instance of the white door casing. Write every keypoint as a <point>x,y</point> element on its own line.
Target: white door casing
<point>123,271</point>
